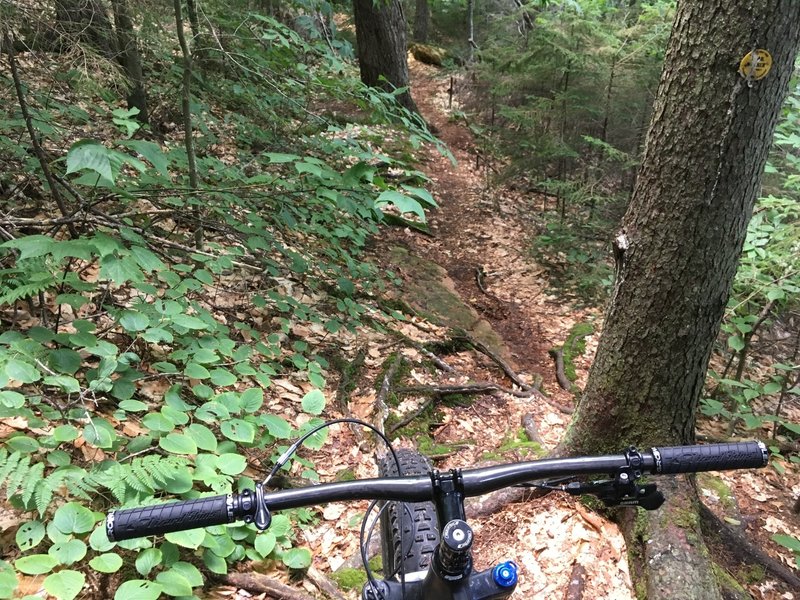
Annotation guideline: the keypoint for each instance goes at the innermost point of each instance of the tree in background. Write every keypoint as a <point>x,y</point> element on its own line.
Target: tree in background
<point>381,40</point>
<point>677,252</point>
<point>130,59</point>
<point>422,21</point>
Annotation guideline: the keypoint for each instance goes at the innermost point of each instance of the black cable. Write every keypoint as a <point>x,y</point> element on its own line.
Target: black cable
<point>284,458</point>
<point>365,547</point>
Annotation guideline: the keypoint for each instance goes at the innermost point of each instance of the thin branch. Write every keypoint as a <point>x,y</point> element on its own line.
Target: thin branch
<point>37,147</point>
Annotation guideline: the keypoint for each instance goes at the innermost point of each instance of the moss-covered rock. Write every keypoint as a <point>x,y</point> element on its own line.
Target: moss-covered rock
<point>430,55</point>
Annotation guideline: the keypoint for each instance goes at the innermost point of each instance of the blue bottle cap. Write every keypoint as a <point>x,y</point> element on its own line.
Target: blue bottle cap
<point>505,574</point>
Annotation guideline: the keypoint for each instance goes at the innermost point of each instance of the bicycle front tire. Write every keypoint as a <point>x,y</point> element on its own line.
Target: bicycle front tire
<point>417,521</point>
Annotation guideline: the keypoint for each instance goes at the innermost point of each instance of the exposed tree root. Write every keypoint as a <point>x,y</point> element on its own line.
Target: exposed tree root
<point>561,377</point>
<point>737,544</point>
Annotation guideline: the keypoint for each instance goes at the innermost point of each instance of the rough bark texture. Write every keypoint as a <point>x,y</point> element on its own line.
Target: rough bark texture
<point>678,248</point>
<point>381,41</point>
<point>422,20</point>
<point>130,59</point>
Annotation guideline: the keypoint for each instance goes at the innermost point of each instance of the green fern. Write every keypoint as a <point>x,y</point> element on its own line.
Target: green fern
<point>141,477</point>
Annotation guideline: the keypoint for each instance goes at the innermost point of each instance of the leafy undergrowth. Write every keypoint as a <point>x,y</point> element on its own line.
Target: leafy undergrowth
<point>159,340</point>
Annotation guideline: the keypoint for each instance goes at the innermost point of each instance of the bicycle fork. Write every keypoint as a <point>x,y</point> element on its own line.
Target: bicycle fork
<point>450,576</point>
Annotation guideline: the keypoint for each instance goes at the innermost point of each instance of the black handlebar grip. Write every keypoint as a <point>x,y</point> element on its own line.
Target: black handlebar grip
<point>710,457</point>
<point>165,518</point>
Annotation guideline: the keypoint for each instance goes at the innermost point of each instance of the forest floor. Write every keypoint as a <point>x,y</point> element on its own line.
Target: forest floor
<point>479,240</point>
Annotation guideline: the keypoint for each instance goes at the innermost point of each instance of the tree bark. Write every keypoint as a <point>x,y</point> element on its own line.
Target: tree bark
<point>678,248</point>
<point>382,46</point>
<point>422,21</point>
<point>130,59</point>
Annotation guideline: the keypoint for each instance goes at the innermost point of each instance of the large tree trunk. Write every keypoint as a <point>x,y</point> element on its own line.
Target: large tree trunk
<point>422,21</point>
<point>678,247</point>
<point>130,59</point>
<point>382,47</point>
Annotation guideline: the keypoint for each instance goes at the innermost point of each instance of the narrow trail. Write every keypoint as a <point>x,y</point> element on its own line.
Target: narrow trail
<point>479,230</point>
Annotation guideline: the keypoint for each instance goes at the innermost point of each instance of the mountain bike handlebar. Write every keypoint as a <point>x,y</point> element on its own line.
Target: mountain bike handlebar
<point>256,505</point>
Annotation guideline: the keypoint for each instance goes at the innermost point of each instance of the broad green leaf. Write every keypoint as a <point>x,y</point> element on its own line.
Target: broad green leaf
<point>133,406</point>
<point>68,384</point>
<point>21,371</point>
<point>265,543</point>
<point>276,426</point>
<point>173,583</point>
<point>222,377</point>
<point>188,539</point>
<point>231,464</point>
<point>152,153</point>
<point>64,360</point>
<point>106,563</point>
<point>178,443</point>
<point>12,399</point>
<point>132,320</point>
<point>8,580</point>
<point>787,541</point>
<point>29,535</point>
<point>196,371</point>
<point>31,246</point>
<point>68,552</point>
<point>138,589</point>
<point>120,270</point>
<point>277,157</point>
<point>401,202</point>
<point>202,436</point>
<point>238,430</point>
<point>252,399</point>
<point>189,322</point>
<point>100,433</point>
<point>189,572</point>
<point>214,563</point>
<point>735,343</point>
<point>64,585</point>
<point>280,526</point>
<point>73,518</point>
<point>297,558</point>
<point>90,155</point>
<point>147,560</point>
<point>99,541</point>
<point>158,422</point>
<point>313,402</point>
<point>35,564</point>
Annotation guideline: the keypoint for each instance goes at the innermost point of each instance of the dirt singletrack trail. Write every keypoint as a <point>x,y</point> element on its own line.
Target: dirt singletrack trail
<point>479,231</point>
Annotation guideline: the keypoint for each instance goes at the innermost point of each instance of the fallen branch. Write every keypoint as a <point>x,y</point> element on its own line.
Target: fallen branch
<point>325,585</point>
<point>576,583</point>
<point>736,543</point>
<point>467,388</point>
<point>531,430</point>
<point>256,582</point>
<point>381,408</point>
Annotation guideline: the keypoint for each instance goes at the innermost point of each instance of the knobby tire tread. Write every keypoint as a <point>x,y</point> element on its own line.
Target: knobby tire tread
<point>417,520</point>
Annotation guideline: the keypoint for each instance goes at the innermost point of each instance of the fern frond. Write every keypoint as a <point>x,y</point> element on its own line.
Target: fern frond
<point>25,290</point>
<point>43,495</point>
<point>7,464</point>
<point>33,477</point>
<point>18,477</point>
